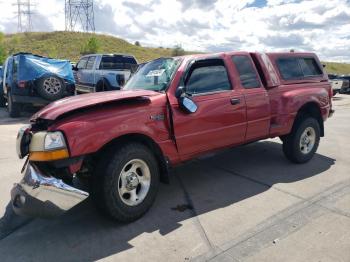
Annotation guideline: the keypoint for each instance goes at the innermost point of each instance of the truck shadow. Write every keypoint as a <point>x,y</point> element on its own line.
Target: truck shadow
<point>197,187</point>
<point>6,120</point>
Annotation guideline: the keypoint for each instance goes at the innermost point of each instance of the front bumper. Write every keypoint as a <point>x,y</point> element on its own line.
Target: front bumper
<point>39,195</point>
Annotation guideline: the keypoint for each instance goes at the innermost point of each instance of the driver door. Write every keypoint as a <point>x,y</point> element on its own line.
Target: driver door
<point>220,119</point>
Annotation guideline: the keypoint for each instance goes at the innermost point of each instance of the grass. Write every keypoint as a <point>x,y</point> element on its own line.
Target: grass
<point>67,45</point>
<point>337,68</point>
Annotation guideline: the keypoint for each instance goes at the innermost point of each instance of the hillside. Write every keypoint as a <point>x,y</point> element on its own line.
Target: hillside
<point>67,45</point>
<point>337,68</point>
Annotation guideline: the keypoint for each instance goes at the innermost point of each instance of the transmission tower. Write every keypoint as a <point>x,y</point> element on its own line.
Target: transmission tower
<point>24,14</point>
<point>79,12</point>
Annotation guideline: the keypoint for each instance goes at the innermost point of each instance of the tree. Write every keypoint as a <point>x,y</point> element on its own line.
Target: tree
<point>137,43</point>
<point>2,49</point>
<point>178,51</point>
<point>92,46</point>
<point>14,42</point>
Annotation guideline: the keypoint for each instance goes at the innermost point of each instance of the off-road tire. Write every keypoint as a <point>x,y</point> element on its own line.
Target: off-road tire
<point>105,179</point>
<point>291,143</point>
<point>54,92</point>
<point>2,100</point>
<point>13,108</point>
<point>103,85</point>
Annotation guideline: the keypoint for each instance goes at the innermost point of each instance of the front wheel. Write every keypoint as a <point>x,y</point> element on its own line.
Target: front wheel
<point>13,108</point>
<point>2,100</point>
<point>301,145</point>
<point>126,181</point>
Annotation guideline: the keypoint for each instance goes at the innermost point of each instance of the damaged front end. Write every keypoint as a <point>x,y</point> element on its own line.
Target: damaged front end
<point>40,194</point>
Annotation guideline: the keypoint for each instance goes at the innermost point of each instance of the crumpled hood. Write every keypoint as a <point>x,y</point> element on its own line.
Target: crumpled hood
<point>63,106</point>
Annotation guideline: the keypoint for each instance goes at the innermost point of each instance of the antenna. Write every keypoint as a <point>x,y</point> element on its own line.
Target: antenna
<point>24,14</point>
<point>79,12</point>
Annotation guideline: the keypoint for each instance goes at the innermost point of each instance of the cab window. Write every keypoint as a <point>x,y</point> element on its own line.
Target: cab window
<point>90,63</point>
<point>82,63</point>
<point>207,76</point>
<point>246,71</point>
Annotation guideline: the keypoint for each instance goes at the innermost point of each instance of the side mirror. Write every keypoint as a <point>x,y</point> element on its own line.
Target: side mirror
<point>121,80</point>
<point>74,68</point>
<point>179,91</point>
<point>187,104</point>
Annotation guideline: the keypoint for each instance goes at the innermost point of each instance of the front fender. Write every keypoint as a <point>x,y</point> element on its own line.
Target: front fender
<point>87,133</point>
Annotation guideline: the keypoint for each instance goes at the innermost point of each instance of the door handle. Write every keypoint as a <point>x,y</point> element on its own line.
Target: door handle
<point>235,101</point>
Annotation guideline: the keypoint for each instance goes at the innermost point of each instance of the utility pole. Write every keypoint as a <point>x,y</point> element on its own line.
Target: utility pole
<point>24,16</point>
<point>79,12</point>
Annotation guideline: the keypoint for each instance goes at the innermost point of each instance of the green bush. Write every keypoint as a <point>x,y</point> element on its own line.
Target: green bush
<point>178,51</point>
<point>2,49</point>
<point>91,47</point>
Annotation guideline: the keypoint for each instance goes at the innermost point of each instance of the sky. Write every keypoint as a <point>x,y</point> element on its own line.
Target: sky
<point>321,26</point>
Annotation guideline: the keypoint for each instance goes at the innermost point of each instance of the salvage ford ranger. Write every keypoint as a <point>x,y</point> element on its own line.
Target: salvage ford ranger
<point>170,111</point>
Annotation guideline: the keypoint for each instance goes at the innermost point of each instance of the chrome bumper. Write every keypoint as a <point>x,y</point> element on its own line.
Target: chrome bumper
<point>38,195</point>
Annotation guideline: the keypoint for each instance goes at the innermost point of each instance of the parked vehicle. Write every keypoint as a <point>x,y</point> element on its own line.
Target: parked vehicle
<point>172,110</point>
<point>98,72</point>
<point>340,84</point>
<point>345,88</point>
<point>2,98</point>
<point>35,80</point>
<point>337,85</point>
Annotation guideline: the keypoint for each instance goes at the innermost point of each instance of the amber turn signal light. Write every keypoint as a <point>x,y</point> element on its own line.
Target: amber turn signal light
<point>49,155</point>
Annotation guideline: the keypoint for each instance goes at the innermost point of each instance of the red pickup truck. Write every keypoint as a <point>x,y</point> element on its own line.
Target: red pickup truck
<point>170,111</point>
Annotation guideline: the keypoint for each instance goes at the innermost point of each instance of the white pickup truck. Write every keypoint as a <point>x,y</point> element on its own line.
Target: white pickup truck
<point>340,84</point>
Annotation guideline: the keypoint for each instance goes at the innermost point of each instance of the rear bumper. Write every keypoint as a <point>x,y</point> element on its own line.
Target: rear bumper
<point>39,195</point>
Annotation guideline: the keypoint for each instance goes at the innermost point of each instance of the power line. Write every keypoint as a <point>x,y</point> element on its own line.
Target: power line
<point>79,12</point>
<point>24,15</point>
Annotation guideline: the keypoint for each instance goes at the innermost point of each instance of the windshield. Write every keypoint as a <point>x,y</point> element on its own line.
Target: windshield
<point>155,75</point>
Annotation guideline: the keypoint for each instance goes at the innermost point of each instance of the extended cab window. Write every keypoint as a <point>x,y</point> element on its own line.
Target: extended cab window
<point>247,74</point>
<point>298,68</point>
<point>207,76</point>
<point>90,63</point>
<point>82,63</point>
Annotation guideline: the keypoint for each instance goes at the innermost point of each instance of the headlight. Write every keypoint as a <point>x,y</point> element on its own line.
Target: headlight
<point>54,140</point>
<point>48,146</point>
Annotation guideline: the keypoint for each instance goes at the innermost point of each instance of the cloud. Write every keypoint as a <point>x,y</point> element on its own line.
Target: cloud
<point>200,4</point>
<point>288,41</point>
<point>137,8</point>
<point>321,26</point>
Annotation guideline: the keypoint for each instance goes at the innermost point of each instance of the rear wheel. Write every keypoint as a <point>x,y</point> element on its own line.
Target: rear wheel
<point>126,181</point>
<point>13,108</point>
<point>301,145</point>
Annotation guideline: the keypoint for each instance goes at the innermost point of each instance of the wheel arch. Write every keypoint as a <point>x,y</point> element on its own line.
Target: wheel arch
<point>148,142</point>
<point>310,109</point>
